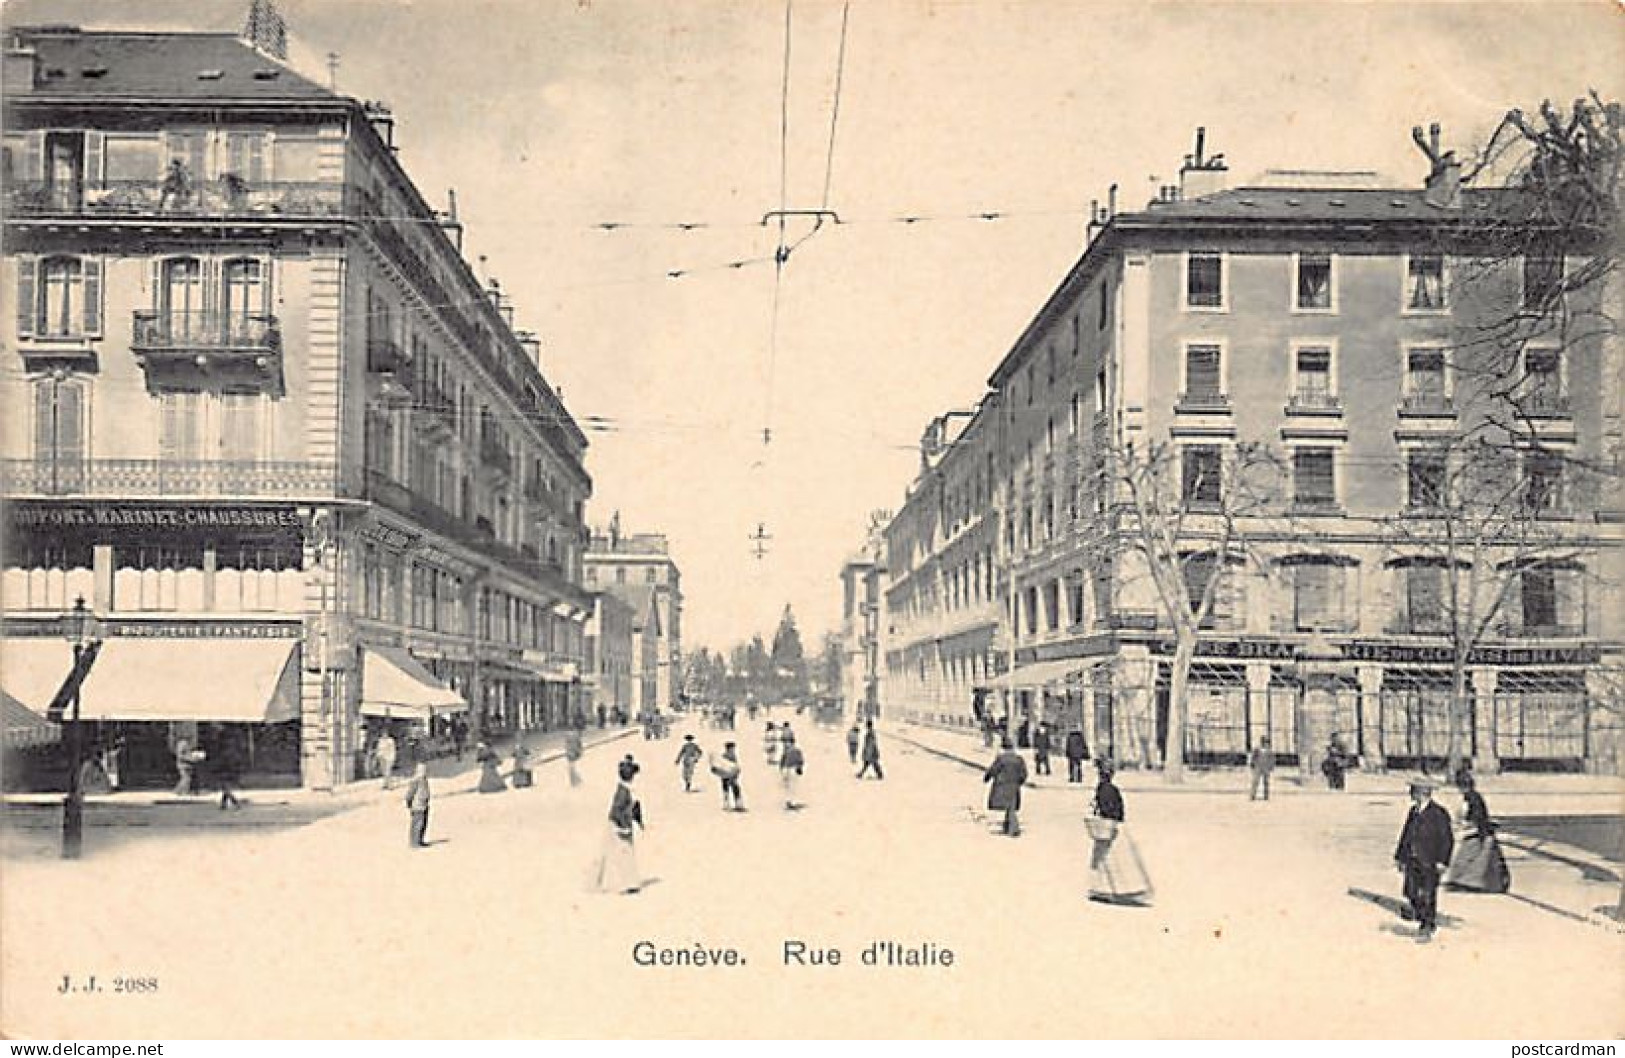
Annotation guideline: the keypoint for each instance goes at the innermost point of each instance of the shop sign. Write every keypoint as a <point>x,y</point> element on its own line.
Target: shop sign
<point>1260,649</point>
<point>1391,653</point>
<point>130,516</point>
<point>114,628</point>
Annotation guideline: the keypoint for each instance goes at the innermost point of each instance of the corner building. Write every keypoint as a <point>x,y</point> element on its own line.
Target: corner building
<point>1330,321</point>
<point>265,420</point>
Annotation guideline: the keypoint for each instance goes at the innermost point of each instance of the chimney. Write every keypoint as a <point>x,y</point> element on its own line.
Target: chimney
<point>449,223</point>
<point>531,343</point>
<point>382,120</point>
<point>1442,188</point>
<point>266,29</point>
<point>1202,175</point>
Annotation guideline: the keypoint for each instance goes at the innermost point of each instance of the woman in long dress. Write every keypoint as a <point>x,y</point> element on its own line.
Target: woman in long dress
<point>617,867</point>
<point>1479,864</point>
<point>490,777</point>
<point>1117,875</point>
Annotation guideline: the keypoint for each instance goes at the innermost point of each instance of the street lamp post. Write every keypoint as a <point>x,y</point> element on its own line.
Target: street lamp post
<point>73,806</point>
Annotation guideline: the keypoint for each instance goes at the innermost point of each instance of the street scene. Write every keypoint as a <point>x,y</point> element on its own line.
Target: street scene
<point>811,520</point>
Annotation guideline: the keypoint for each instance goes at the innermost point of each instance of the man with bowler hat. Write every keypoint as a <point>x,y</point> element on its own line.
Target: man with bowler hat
<point>1425,846</point>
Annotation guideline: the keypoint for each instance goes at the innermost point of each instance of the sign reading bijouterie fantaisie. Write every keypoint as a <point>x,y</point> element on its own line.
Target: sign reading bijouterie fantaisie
<point>127,516</point>
<point>203,629</point>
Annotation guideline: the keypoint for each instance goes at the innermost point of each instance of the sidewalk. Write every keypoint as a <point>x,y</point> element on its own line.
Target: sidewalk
<point>289,807</point>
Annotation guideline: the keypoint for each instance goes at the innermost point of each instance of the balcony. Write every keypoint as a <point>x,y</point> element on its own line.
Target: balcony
<point>165,478</point>
<point>440,413</point>
<point>494,456</point>
<point>226,197</point>
<point>386,357</point>
<point>1314,402</point>
<point>477,535</point>
<point>1427,403</point>
<point>193,333</point>
<point>1437,625</point>
<point>1202,401</point>
<point>1545,404</point>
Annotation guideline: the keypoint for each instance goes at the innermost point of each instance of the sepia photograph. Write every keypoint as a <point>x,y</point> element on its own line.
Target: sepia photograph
<point>812,519</point>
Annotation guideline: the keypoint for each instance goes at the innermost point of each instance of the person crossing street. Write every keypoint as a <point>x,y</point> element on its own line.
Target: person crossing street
<point>688,755</point>
<point>871,751</point>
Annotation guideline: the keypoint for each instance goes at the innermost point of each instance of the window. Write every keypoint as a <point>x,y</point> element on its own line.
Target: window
<point>1312,372</point>
<point>244,289</point>
<point>1052,604</point>
<point>1314,283</point>
<point>1075,415</point>
<point>1319,595</point>
<point>1204,281</point>
<point>132,160</point>
<point>180,425</point>
<point>1424,598</point>
<point>1543,379</point>
<point>1313,477</point>
<point>59,297</point>
<point>649,575</point>
<point>620,576</point>
<point>1075,591</point>
<point>208,426</point>
<point>60,420</point>
<point>1105,312</point>
<point>1543,482</point>
<point>1539,597</point>
<point>296,160</point>
<point>1203,373</point>
<point>1100,390</point>
<point>240,426</point>
<point>181,295</point>
<point>1427,381</point>
<point>1200,474</point>
<point>158,578</point>
<point>1426,484</point>
<point>1542,283</point>
<point>1424,283</point>
<point>1032,609</point>
<point>245,156</point>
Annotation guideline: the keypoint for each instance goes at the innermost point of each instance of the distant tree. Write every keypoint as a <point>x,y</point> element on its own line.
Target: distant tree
<point>788,663</point>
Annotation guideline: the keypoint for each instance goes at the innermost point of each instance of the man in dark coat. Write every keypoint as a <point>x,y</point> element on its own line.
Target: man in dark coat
<point>1261,763</point>
<point>1425,847</point>
<point>871,751</point>
<point>1076,750</point>
<point>1041,749</point>
<point>417,804</point>
<point>1007,772</point>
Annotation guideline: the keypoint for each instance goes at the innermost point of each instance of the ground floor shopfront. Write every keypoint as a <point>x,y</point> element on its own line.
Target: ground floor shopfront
<point>1389,705</point>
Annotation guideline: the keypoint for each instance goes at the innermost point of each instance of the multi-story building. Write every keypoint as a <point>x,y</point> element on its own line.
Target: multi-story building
<point>618,564</point>
<point>614,657</point>
<point>1357,339</point>
<point>861,641</point>
<point>265,420</point>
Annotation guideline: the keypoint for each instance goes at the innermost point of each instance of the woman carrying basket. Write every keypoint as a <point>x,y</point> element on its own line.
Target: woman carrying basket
<point>1116,874</point>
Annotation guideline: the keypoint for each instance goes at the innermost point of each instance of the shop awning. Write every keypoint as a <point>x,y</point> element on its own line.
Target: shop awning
<point>565,673</point>
<point>24,727</point>
<point>396,685</point>
<point>1040,674</point>
<point>33,670</point>
<point>253,681</point>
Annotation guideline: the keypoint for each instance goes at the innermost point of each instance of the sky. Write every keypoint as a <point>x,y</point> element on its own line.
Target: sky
<point>552,119</point>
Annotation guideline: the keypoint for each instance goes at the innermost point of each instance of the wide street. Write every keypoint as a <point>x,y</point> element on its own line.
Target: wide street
<point>337,928</point>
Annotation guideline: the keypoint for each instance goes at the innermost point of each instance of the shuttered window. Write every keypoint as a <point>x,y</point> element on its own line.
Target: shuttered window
<point>59,297</point>
<point>60,420</point>
<point>1200,474</point>
<point>1319,592</point>
<point>1424,598</point>
<point>1313,477</point>
<point>1203,371</point>
<point>1204,281</point>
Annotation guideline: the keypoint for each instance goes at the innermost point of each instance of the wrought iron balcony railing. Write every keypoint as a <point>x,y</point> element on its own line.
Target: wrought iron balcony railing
<point>155,197</point>
<point>1427,402</point>
<point>1546,404</point>
<point>1313,400</point>
<point>165,478</point>
<point>1202,400</point>
<point>188,332</point>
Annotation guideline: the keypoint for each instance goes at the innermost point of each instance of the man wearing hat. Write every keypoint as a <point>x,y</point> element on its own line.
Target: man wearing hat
<point>688,756</point>
<point>1425,847</point>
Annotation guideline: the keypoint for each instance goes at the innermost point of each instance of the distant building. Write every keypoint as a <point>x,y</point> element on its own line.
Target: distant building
<point>614,658</point>
<point>1331,322</point>
<point>265,420</point>
<point>639,570</point>
<point>862,636</point>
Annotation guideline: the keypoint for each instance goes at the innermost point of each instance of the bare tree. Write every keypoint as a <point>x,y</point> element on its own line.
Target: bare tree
<point>1186,526</point>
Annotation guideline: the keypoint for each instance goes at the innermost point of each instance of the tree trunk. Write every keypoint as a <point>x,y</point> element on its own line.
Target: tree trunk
<point>1173,767</point>
<point>1460,702</point>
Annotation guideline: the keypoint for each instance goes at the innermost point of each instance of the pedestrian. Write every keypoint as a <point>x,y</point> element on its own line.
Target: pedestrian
<point>853,737</point>
<point>1007,772</point>
<point>688,755</point>
<point>572,754</point>
<point>1478,864</point>
<point>617,867</point>
<point>522,775</point>
<point>186,761</point>
<point>791,764</point>
<point>1262,762</point>
<point>1116,873</point>
<point>1076,751</point>
<point>770,742</point>
<point>871,751</point>
<point>1424,848</point>
<point>459,735</point>
<point>603,714</point>
<point>225,776</point>
<point>1041,750</point>
<point>726,768</point>
<point>1336,762</point>
<point>384,753</point>
<point>417,803</point>
<point>490,777</point>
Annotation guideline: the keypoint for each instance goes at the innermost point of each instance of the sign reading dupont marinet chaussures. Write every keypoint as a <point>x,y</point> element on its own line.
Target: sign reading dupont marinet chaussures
<point>25,516</point>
